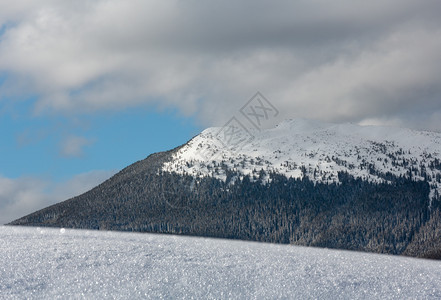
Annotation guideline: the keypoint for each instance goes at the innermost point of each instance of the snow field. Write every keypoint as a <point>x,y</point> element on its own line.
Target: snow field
<point>42,263</point>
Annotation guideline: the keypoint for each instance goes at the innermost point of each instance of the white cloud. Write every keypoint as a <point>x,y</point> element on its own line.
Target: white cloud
<point>348,61</point>
<point>72,146</point>
<point>19,197</point>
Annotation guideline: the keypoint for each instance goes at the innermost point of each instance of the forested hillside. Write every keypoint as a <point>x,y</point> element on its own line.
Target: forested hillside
<point>396,217</point>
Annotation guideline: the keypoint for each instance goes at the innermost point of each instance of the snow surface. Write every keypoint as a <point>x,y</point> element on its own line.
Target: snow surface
<point>323,149</point>
<point>41,263</point>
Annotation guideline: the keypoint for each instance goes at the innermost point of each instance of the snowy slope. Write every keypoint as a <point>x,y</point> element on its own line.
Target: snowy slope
<point>52,263</point>
<point>298,148</point>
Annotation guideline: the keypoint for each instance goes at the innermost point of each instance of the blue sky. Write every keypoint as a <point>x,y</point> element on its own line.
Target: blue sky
<point>88,87</point>
<point>47,158</point>
<point>38,145</point>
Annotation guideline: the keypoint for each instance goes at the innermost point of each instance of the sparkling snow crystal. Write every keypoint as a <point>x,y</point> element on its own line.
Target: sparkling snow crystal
<point>45,263</point>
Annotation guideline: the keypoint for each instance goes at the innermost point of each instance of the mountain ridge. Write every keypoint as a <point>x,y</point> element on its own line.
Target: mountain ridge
<point>325,149</point>
<point>237,195</point>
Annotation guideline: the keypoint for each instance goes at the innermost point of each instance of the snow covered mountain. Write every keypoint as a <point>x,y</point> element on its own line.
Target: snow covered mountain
<point>374,189</point>
<point>319,151</point>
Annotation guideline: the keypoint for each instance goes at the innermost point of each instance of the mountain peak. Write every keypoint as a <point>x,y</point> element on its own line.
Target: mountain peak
<point>301,147</point>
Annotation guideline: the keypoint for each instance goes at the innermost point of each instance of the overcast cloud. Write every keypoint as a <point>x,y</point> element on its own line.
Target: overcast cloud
<point>373,62</point>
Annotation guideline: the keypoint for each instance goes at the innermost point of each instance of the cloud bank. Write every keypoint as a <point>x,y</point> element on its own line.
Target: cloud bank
<point>374,62</point>
<point>22,196</point>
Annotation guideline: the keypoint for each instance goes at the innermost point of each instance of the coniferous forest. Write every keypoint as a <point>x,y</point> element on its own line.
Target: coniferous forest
<point>395,218</point>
